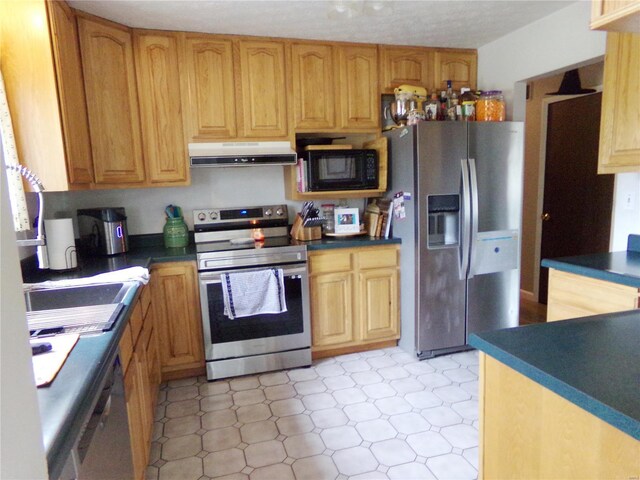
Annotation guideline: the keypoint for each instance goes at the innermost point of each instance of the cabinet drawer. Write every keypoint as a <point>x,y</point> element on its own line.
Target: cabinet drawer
<point>334,261</point>
<point>378,257</point>
<point>126,348</point>
<point>135,321</point>
<point>145,300</point>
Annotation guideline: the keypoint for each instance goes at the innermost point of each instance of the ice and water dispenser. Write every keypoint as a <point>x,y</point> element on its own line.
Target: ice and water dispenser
<point>444,220</point>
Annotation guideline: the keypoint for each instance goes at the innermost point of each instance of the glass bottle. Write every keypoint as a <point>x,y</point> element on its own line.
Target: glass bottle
<point>468,105</point>
<point>431,107</point>
<point>175,233</point>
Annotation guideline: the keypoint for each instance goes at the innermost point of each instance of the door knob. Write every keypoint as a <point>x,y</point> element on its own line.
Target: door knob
<point>545,217</point>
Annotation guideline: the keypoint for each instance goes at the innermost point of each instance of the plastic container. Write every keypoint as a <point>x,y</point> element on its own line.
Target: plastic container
<point>490,107</point>
<point>468,105</point>
<point>176,233</point>
<point>329,220</point>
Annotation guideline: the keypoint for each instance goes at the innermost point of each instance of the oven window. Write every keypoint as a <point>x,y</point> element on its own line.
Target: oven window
<point>224,330</point>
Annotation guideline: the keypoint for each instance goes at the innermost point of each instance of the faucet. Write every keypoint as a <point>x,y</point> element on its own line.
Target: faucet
<point>40,241</point>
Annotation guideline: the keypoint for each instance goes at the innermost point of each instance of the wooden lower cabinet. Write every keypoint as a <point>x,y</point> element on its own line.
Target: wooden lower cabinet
<point>575,296</point>
<point>141,367</point>
<point>176,301</point>
<point>527,431</point>
<point>354,299</point>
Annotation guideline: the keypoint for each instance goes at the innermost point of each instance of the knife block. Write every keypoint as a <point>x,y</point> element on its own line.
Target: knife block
<point>305,233</point>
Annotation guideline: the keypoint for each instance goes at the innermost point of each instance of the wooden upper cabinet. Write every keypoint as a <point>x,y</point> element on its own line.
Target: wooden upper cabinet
<point>40,62</point>
<point>158,76</point>
<point>620,120</point>
<point>263,95</point>
<point>615,15</point>
<point>358,87</point>
<point>458,66</point>
<point>405,65</point>
<point>314,92</point>
<point>71,94</point>
<point>112,101</point>
<point>209,95</point>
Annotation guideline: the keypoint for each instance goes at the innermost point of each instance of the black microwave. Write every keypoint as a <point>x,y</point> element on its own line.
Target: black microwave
<point>328,170</point>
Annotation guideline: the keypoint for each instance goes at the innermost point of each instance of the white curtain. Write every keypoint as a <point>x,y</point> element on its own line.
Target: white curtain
<point>10,155</point>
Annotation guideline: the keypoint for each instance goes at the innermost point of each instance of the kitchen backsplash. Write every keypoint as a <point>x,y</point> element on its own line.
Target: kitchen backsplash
<point>210,187</point>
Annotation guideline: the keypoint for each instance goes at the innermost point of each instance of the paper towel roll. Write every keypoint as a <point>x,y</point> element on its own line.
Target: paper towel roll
<point>61,245</point>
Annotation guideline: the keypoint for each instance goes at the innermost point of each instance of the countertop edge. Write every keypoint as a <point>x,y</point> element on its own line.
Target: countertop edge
<point>591,272</point>
<point>602,411</point>
<point>64,440</point>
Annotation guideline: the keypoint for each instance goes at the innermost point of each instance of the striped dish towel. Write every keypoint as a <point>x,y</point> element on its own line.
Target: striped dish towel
<point>253,293</point>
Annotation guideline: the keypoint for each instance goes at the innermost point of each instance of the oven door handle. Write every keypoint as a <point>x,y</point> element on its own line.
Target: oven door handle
<point>214,277</point>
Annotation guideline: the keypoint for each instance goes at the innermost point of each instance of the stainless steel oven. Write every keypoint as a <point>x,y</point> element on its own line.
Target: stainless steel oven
<point>261,342</point>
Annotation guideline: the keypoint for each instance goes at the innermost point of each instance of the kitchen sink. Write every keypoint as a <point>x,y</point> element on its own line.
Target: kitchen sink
<point>78,309</point>
<point>70,297</point>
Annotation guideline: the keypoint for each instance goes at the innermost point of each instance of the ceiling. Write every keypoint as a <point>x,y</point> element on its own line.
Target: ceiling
<point>437,23</point>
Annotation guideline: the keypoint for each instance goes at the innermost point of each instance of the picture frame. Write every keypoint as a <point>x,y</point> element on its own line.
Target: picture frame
<point>347,220</point>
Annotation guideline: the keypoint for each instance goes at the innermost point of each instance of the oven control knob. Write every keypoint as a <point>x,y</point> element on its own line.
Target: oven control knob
<point>268,212</point>
<point>279,212</point>
<point>202,217</point>
<point>213,215</point>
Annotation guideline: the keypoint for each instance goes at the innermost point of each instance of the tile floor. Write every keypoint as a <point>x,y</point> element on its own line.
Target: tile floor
<point>371,415</point>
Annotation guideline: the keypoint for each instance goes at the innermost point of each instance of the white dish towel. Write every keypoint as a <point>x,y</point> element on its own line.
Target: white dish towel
<point>253,293</point>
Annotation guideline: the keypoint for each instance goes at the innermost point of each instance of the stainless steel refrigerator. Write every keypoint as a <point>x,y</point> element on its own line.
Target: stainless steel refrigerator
<point>460,255</point>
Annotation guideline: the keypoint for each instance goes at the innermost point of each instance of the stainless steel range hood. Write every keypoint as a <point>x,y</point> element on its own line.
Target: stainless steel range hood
<point>228,154</point>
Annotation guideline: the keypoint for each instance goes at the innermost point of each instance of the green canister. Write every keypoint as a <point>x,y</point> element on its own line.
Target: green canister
<point>176,233</point>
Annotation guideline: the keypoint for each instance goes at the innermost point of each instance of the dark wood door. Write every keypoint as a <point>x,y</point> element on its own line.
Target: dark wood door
<point>577,201</point>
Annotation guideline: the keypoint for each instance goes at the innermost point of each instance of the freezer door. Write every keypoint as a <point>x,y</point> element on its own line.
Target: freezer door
<point>496,166</point>
<point>440,307</point>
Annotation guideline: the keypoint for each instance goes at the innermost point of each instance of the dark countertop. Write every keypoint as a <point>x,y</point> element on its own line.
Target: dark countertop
<point>68,400</point>
<point>347,242</point>
<point>616,267</point>
<point>593,362</point>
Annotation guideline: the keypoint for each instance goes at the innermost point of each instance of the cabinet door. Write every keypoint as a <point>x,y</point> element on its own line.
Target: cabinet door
<point>263,89</point>
<point>405,65</point>
<point>615,15</point>
<point>71,93</point>
<point>459,67</point>
<point>575,296</point>
<point>358,87</point>
<point>620,120</point>
<point>135,413</point>
<point>112,102</point>
<point>209,97</point>
<point>378,297</point>
<point>177,308</point>
<point>332,309</point>
<point>314,95</point>
<point>161,108</point>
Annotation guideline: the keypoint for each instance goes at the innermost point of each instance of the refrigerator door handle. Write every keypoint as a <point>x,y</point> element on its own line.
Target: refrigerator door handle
<point>474,215</point>
<point>466,219</point>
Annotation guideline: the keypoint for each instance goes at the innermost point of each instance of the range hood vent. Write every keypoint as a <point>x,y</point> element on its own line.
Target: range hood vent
<point>230,154</point>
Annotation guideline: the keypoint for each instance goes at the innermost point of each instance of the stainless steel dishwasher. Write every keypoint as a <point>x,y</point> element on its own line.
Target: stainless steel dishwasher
<point>103,448</point>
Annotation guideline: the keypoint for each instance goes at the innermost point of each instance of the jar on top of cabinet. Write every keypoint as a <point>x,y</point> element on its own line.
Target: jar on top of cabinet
<point>490,107</point>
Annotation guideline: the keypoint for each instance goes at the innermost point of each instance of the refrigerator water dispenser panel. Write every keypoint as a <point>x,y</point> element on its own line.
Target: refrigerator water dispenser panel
<point>444,220</point>
<point>495,251</point>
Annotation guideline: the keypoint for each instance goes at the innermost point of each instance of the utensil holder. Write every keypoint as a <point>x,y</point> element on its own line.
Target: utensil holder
<point>176,233</point>
<point>305,234</point>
